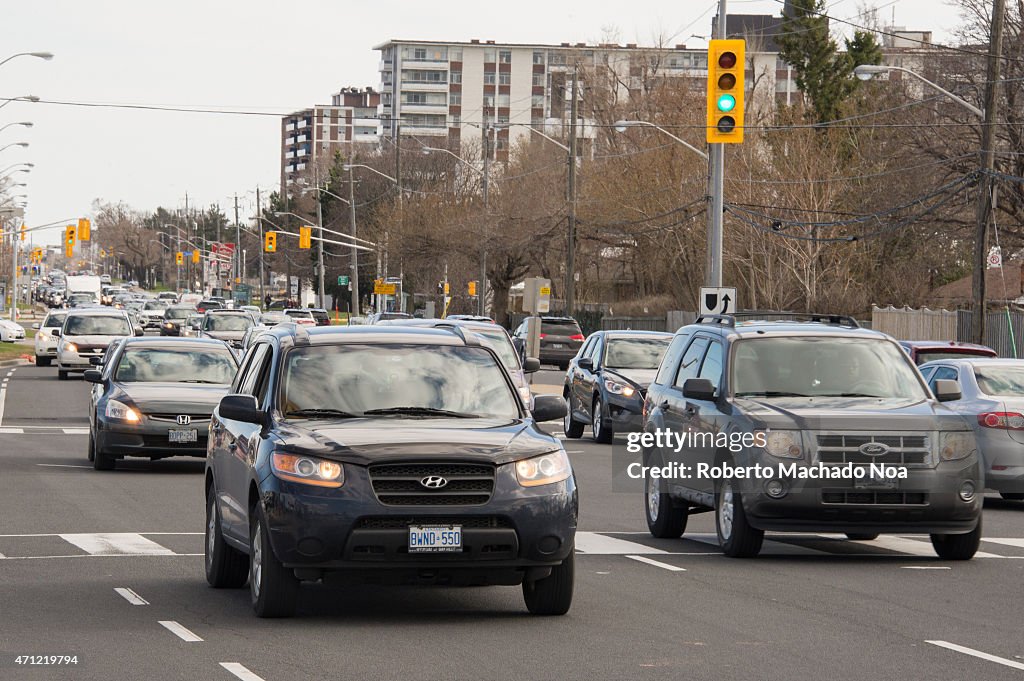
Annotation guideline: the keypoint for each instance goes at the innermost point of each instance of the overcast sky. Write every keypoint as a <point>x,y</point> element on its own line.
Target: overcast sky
<point>261,55</point>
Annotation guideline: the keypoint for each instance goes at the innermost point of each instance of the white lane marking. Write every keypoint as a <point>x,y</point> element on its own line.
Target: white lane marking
<point>115,555</point>
<point>180,631</point>
<point>240,671</point>
<point>115,543</point>
<point>925,567</point>
<point>1008,541</point>
<point>594,543</point>
<point>664,566</point>
<point>769,547</point>
<point>8,431</point>
<point>977,653</point>
<point>911,547</point>
<point>58,534</point>
<point>131,596</point>
<point>62,465</point>
<point>75,431</point>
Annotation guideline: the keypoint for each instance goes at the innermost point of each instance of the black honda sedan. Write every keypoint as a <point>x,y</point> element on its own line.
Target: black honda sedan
<point>607,381</point>
<point>154,396</point>
<point>389,455</point>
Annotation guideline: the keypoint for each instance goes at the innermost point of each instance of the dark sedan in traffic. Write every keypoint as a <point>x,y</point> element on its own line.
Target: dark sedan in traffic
<point>154,397</point>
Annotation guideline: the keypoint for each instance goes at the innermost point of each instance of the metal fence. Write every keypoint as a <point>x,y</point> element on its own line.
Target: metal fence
<point>1004,331</point>
<point>633,323</point>
<point>910,324</point>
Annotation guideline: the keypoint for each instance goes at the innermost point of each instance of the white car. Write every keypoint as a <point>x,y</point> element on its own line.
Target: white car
<point>46,342</point>
<point>86,335</point>
<point>10,332</point>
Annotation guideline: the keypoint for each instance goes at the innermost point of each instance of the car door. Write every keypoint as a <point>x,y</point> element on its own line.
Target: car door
<point>232,484</point>
<point>573,374</point>
<point>677,419</point>
<point>247,436</point>
<point>704,416</point>
<point>586,379</point>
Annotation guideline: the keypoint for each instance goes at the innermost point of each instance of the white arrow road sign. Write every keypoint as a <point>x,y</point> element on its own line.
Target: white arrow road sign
<point>717,300</point>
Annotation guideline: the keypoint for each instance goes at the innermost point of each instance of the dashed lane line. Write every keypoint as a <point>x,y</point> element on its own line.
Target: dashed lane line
<point>3,396</point>
<point>240,671</point>
<point>116,543</point>
<point>131,596</point>
<point>664,566</point>
<point>180,631</point>
<point>977,653</point>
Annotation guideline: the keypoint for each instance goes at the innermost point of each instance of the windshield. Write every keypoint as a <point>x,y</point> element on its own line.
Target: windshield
<point>96,326</point>
<point>228,322</point>
<point>175,365</point>
<point>823,367</point>
<point>154,305</point>
<point>299,314</point>
<point>635,353</point>
<point>1001,381</point>
<point>178,312</point>
<point>501,344</point>
<point>566,328</point>
<point>354,379</point>
<point>55,319</point>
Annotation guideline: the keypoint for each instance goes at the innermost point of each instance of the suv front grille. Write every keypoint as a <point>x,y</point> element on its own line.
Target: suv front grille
<point>403,522</point>
<point>873,497</point>
<point>844,448</point>
<point>401,484</point>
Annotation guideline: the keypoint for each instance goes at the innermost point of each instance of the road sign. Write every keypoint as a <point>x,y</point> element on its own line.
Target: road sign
<point>717,300</point>
<point>995,257</point>
<point>343,280</point>
<point>382,288</point>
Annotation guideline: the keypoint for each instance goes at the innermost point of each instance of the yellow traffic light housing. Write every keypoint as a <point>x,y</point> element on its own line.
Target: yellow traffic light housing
<point>179,258</point>
<point>270,242</point>
<point>726,70</point>
<point>23,228</point>
<point>305,237</point>
<point>69,241</point>
<point>84,229</point>
<point>472,288</point>
<point>195,257</point>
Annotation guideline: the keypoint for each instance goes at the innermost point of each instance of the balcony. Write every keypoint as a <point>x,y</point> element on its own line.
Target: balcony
<point>424,86</point>
<point>437,109</point>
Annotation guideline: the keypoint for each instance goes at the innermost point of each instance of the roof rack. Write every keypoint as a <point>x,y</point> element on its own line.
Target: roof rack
<point>720,319</point>
<point>815,317</point>
<point>456,329</point>
<point>298,331</point>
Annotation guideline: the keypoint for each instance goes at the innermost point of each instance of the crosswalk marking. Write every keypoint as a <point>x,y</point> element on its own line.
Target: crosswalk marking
<point>776,548</point>
<point>599,544</point>
<point>1019,543</point>
<point>12,431</point>
<point>116,543</point>
<point>655,563</point>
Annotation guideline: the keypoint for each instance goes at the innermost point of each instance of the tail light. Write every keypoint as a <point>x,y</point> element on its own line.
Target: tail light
<point>543,336</point>
<point>1008,420</point>
<point>576,336</point>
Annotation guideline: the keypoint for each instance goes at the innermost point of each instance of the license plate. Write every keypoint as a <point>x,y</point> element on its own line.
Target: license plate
<point>435,539</point>
<point>879,483</point>
<point>183,435</point>
<point>557,346</point>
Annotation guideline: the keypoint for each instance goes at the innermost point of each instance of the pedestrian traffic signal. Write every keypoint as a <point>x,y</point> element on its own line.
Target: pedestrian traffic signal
<point>195,257</point>
<point>726,67</point>
<point>270,242</point>
<point>472,288</point>
<point>305,237</point>
<point>179,257</point>
<point>84,229</point>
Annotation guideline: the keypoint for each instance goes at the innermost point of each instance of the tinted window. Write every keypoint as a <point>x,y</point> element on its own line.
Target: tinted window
<point>500,343</point>
<point>1005,381</point>
<point>711,368</point>
<point>228,322</point>
<point>635,353</point>
<point>253,369</point>
<point>671,359</point>
<point>690,365</point>
<point>96,326</point>
<point>559,328</point>
<point>55,319</point>
<point>175,365</point>
<point>360,378</point>
<point>178,312</point>
<point>934,355</point>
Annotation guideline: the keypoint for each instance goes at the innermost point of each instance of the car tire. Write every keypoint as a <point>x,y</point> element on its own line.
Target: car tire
<point>572,428</point>
<point>599,424</point>
<point>1012,496</point>
<point>862,536</point>
<point>43,361</point>
<point>92,446</point>
<point>101,461</point>
<point>665,518</point>
<point>273,588</point>
<point>957,546</point>
<point>564,366</point>
<point>226,566</point>
<point>62,375</point>
<point>736,536</point>
<point>553,594</point>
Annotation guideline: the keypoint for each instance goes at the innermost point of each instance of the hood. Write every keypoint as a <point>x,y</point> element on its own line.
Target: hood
<point>172,398</point>
<point>90,342</point>
<point>638,377</point>
<point>849,413</point>
<point>7,324</point>
<point>225,335</point>
<point>365,441</point>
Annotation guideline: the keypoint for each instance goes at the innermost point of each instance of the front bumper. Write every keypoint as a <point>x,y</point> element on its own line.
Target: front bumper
<point>76,361</point>
<point>348,529</point>
<point>625,413</point>
<point>46,349</point>
<point>148,439</point>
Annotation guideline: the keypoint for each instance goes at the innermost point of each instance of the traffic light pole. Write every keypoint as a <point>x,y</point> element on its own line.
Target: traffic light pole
<point>716,185</point>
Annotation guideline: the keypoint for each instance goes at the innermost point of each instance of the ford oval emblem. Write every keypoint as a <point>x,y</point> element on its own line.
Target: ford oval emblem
<point>433,482</point>
<point>873,449</point>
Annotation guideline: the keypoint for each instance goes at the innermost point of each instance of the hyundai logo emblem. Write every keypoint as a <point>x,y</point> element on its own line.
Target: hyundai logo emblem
<point>184,419</point>
<point>873,449</point>
<point>433,482</point>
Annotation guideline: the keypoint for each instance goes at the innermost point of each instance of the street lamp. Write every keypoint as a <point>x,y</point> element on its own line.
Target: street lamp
<point>41,55</point>
<point>27,168</point>
<point>622,126</point>
<point>14,144</point>
<point>27,124</point>
<point>23,98</point>
<point>868,71</point>
<point>352,220</point>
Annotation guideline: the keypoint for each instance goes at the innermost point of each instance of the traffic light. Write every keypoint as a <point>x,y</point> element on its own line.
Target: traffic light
<point>84,229</point>
<point>195,257</point>
<point>472,288</point>
<point>23,232</point>
<point>305,237</point>
<point>726,66</point>
<point>69,241</point>
<point>179,257</point>
<point>447,288</point>
<point>270,242</point>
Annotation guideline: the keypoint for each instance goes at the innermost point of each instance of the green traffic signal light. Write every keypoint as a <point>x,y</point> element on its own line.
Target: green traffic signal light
<point>726,103</point>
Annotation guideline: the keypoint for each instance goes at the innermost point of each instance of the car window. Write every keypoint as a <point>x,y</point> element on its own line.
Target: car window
<point>671,359</point>
<point>247,383</point>
<point>942,373</point>
<point>635,353</point>
<point>97,326</point>
<point>175,365</point>
<point>499,341</point>
<point>711,367</point>
<point>933,355</point>
<point>559,328</point>
<point>690,364</point>
<point>585,348</point>
<point>55,319</point>
<point>595,351</point>
<point>228,322</point>
<point>1004,381</point>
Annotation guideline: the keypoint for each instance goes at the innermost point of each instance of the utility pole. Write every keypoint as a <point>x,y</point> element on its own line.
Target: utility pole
<point>259,221</point>
<point>321,296</point>
<point>354,281</point>
<point>238,249</point>
<point>716,185</point>
<point>988,162</point>
<point>482,292</point>
<point>383,248</point>
<point>570,256</point>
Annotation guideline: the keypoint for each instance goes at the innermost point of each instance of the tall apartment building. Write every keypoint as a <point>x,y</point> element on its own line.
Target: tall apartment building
<point>311,134</point>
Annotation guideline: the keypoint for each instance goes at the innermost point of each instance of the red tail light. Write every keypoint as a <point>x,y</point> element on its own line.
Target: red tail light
<point>1008,420</point>
<point>576,336</point>
<point>543,335</point>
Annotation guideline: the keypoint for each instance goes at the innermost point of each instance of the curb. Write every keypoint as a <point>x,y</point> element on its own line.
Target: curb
<point>7,363</point>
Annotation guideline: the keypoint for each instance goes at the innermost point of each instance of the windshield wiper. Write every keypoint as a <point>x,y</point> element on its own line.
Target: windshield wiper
<point>418,411</point>
<point>771,393</point>
<point>199,380</point>
<point>336,413</point>
<point>848,395</point>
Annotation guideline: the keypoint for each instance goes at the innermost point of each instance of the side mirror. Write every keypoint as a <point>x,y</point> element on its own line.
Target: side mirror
<point>699,389</point>
<point>55,332</point>
<point>93,375</point>
<point>947,390</point>
<point>239,408</point>
<point>531,365</point>
<point>585,363</point>
<point>139,332</point>
<point>548,408</point>
<point>96,361</point>
<point>35,326</point>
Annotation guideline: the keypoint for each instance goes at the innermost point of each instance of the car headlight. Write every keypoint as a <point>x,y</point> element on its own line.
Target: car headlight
<point>784,444</point>
<point>121,412</point>
<point>70,347</point>
<point>616,388</point>
<point>956,445</point>
<point>40,336</point>
<point>308,470</point>
<point>543,470</point>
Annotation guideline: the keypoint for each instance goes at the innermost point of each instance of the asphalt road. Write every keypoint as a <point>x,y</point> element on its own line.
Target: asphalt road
<point>108,567</point>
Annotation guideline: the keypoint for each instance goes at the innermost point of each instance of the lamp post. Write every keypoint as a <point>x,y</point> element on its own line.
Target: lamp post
<point>23,98</point>
<point>41,55</point>
<point>350,167</point>
<point>986,188</point>
<point>26,124</point>
<point>17,168</point>
<point>14,144</point>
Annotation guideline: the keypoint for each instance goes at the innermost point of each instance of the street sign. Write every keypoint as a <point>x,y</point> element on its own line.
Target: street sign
<point>995,257</point>
<point>717,300</point>
<point>343,280</point>
<point>382,288</point>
